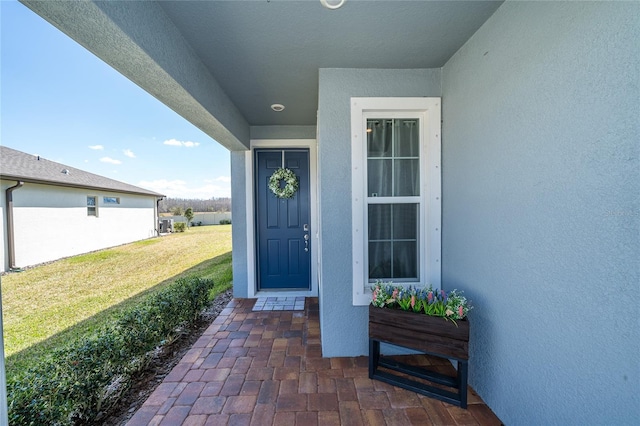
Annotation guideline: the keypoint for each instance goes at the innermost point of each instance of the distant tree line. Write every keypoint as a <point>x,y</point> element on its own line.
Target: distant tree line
<point>169,205</point>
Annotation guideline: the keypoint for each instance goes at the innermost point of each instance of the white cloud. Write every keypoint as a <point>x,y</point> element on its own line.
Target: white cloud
<point>110,160</point>
<point>175,142</point>
<point>96,147</point>
<point>180,189</point>
<point>129,153</point>
<point>224,179</point>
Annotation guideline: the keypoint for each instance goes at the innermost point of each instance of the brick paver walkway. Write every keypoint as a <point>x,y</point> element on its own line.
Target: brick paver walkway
<point>266,368</point>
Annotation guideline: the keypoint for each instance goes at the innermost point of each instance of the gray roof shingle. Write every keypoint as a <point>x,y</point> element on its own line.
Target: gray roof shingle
<point>17,165</point>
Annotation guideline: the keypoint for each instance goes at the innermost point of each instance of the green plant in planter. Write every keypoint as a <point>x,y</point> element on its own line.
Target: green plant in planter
<point>452,306</point>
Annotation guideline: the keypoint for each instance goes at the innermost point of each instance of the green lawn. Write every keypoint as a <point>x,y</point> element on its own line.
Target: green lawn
<point>50,304</point>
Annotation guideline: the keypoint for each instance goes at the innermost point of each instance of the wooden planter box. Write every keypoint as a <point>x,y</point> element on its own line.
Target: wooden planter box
<point>432,335</point>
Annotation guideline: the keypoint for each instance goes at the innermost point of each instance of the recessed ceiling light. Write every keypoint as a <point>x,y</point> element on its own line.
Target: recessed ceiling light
<point>277,107</point>
<point>336,4</point>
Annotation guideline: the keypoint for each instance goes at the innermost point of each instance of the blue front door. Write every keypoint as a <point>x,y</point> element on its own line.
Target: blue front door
<point>283,224</point>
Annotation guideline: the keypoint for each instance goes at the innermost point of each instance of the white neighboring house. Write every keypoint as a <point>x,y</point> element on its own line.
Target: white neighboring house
<point>50,211</point>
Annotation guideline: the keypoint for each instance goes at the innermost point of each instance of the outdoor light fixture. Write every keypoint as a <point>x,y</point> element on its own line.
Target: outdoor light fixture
<point>277,107</point>
<point>332,5</point>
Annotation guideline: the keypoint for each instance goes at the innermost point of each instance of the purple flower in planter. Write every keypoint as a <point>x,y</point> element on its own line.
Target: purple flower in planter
<point>452,305</point>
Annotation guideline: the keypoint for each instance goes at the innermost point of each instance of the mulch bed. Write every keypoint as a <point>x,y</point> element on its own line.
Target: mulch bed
<point>162,364</point>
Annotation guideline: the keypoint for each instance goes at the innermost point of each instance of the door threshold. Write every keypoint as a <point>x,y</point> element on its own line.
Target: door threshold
<point>284,293</point>
<point>280,303</point>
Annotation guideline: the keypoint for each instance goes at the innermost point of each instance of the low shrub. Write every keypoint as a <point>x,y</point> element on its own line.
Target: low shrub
<point>179,227</point>
<point>225,222</point>
<point>81,382</point>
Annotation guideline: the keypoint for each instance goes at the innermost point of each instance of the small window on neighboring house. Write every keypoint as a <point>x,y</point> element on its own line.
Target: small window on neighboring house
<point>92,206</point>
<point>111,200</point>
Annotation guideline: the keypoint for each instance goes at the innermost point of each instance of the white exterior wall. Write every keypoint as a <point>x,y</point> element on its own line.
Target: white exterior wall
<point>51,222</point>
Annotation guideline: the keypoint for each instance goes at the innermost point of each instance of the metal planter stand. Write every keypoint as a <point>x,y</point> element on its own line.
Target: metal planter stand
<point>431,335</point>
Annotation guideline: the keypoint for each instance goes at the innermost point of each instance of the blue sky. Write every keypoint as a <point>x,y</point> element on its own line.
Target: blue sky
<point>61,102</point>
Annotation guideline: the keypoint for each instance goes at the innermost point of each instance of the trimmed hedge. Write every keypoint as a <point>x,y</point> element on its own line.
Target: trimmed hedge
<point>81,382</point>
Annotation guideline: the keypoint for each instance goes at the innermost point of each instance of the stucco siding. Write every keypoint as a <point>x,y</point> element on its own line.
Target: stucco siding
<point>344,326</point>
<point>541,213</point>
<point>51,222</point>
<point>239,190</point>
<point>283,132</point>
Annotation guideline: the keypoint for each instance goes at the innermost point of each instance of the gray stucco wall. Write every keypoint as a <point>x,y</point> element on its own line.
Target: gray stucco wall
<point>344,326</point>
<point>239,224</point>
<point>283,132</point>
<point>541,184</point>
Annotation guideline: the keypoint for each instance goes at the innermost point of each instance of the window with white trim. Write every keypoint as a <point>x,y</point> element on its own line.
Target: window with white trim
<point>111,200</point>
<point>92,206</point>
<point>396,192</point>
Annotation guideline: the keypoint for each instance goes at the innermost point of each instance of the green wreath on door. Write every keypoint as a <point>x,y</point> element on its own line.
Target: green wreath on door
<point>290,183</point>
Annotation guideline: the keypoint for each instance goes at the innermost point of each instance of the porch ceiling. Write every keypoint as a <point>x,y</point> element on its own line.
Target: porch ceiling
<point>266,52</point>
<point>222,64</point>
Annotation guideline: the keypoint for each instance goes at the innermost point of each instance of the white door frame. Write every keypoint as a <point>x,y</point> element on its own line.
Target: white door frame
<point>252,279</point>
